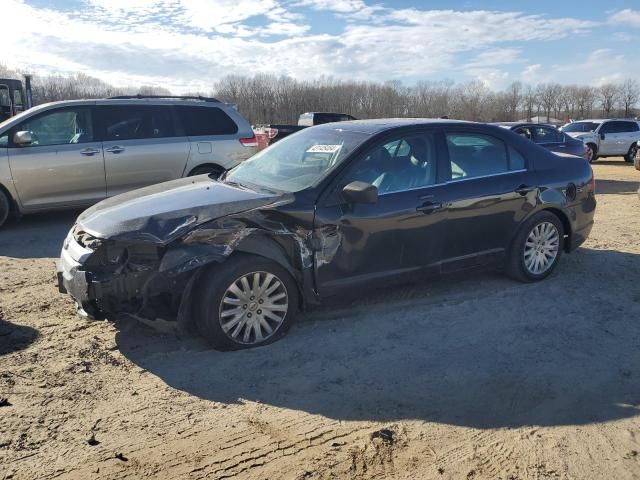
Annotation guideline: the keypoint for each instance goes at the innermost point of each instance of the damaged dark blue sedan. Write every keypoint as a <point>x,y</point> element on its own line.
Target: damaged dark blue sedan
<point>330,209</point>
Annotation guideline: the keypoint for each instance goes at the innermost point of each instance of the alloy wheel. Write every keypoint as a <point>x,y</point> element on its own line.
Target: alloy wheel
<point>253,308</point>
<point>541,248</point>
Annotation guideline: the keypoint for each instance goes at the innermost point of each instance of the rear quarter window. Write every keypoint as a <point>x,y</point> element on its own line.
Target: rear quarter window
<point>204,121</point>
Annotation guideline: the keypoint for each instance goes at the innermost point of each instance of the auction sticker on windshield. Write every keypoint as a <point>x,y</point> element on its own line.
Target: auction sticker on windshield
<point>324,149</point>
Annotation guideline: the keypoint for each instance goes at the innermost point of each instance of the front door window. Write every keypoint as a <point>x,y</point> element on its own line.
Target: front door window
<point>61,127</point>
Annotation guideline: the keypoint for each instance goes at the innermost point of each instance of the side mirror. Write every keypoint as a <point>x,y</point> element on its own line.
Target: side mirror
<point>360,192</point>
<point>602,136</point>
<point>23,138</point>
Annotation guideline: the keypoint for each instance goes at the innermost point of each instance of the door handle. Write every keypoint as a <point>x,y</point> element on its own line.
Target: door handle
<point>429,207</point>
<point>89,152</point>
<point>524,189</point>
<point>115,149</point>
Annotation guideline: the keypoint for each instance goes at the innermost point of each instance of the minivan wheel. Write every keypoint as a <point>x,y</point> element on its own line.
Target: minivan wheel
<point>5,207</point>
<point>245,302</point>
<point>631,154</point>
<point>537,248</point>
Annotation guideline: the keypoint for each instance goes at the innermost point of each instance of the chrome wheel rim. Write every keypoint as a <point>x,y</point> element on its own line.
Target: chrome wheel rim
<point>253,308</point>
<point>589,153</point>
<point>541,248</point>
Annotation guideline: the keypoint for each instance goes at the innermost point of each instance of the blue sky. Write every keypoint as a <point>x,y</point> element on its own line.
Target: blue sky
<point>187,45</point>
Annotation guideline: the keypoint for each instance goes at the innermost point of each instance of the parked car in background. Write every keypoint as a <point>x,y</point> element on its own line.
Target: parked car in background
<point>607,138</point>
<point>549,137</point>
<point>269,134</point>
<point>75,153</point>
<point>333,208</point>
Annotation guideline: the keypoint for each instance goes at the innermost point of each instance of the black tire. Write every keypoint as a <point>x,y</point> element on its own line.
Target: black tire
<point>213,287</point>
<point>5,207</point>
<point>516,267</point>
<point>594,149</point>
<point>212,170</point>
<point>631,154</point>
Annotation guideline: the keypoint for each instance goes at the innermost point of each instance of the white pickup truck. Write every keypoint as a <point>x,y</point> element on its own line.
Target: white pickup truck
<point>607,138</point>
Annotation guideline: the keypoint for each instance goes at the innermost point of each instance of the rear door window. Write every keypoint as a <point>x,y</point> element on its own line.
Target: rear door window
<point>205,121</point>
<point>476,155</point>
<point>133,122</point>
<point>544,135</point>
<point>629,127</point>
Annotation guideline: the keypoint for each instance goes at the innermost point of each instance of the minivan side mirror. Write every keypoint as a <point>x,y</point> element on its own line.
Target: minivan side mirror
<point>23,138</point>
<point>360,192</point>
<point>602,136</point>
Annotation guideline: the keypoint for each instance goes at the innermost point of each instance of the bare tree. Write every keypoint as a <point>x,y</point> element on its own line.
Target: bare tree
<point>549,94</point>
<point>514,97</point>
<point>629,93</point>
<point>607,94</point>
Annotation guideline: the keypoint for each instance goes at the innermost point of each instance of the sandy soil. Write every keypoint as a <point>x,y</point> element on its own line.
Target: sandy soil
<point>468,377</point>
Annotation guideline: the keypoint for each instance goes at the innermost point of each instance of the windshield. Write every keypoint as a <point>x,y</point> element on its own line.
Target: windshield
<point>298,161</point>
<point>580,127</point>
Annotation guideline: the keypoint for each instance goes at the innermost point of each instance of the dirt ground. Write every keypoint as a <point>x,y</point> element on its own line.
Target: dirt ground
<point>466,377</point>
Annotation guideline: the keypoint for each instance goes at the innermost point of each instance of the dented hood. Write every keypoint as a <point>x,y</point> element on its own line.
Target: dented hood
<point>162,213</point>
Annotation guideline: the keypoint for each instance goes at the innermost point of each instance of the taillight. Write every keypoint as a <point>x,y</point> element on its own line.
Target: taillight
<point>250,141</point>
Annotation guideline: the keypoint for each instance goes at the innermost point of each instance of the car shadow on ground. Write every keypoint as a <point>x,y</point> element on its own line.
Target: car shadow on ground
<point>15,337</point>
<point>477,350</point>
<point>618,162</point>
<point>605,187</point>
<point>36,236</point>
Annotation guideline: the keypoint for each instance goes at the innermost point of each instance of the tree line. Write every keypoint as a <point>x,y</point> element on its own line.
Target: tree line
<point>270,99</point>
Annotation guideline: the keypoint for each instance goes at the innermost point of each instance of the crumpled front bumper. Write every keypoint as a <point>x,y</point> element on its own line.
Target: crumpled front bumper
<point>75,281</point>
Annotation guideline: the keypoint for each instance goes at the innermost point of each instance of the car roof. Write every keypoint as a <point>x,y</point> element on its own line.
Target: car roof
<point>522,124</point>
<point>377,125</point>
<point>134,101</point>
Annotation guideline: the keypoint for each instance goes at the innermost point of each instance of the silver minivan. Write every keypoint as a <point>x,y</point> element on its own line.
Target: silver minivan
<point>75,153</point>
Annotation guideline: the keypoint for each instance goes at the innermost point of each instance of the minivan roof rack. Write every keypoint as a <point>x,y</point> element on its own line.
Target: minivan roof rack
<point>168,97</point>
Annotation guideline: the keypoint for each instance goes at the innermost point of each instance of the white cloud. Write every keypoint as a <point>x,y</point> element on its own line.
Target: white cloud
<point>625,17</point>
<point>189,44</point>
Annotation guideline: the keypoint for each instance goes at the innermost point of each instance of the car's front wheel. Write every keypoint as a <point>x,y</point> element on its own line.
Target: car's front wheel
<point>245,302</point>
<point>5,207</point>
<point>592,152</point>
<point>537,248</point>
<point>631,154</point>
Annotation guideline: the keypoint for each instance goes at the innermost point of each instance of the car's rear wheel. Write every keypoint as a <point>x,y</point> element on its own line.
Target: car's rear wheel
<point>592,152</point>
<point>631,154</point>
<point>537,248</point>
<point>245,302</point>
<point>5,207</point>
<point>212,170</point>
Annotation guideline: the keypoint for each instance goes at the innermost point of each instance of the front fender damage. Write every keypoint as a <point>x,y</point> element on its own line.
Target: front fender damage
<point>167,290</point>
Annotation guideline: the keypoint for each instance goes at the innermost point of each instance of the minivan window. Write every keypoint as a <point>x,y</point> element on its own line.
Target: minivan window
<point>202,121</point>
<point>476,155</point>
<point>131,122</point>
<point>59,127</point>
<point>577,127</point>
